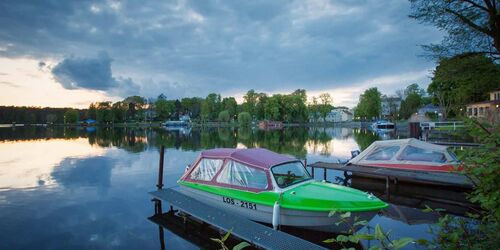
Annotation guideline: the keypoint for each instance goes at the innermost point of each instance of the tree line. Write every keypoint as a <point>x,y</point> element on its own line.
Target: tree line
<point>256,106</point>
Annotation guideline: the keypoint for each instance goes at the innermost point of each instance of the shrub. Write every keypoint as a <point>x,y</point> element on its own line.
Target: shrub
<point>244,118</point>
<point>224,116</point>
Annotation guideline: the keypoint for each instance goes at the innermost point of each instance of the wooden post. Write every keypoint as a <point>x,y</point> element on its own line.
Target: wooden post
<point>162,238</point>
<point>160,168</point>
<point>387,180</point>
<point>158,209</point>
<point>324,174</point>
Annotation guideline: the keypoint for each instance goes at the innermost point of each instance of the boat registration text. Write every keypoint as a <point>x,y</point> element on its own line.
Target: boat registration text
<point>244,204</point>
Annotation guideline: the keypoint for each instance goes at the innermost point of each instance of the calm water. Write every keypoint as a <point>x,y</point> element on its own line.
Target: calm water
<point>87,188</point>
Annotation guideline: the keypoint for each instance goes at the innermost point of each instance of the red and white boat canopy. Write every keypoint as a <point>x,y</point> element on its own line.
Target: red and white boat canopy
<point>404,151</point>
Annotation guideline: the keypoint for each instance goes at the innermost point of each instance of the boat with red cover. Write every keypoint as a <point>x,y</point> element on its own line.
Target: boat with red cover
<point>407,154</point>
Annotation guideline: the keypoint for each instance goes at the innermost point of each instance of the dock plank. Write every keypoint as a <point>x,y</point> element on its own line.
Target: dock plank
<point>446,179</point>
<point>250,231</point>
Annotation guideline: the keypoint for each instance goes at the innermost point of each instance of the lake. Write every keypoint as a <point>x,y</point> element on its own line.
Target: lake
<point>81,188</point>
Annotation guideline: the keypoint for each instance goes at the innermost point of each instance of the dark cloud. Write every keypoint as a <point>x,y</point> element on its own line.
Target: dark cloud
<point>88,73</point>
<point>93,74</point>
<point>185,47</point>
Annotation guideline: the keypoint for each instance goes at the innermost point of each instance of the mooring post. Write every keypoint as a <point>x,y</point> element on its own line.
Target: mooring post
<point>162,238</point>
<point>324,174</point>
<point>160,168</point>
<point>158,209</point>
<point>312,171</point>
<point>387,180</point>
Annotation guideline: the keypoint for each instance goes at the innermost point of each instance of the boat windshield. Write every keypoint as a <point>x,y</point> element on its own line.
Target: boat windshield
<point>411,153</point>
<point>290,173</point>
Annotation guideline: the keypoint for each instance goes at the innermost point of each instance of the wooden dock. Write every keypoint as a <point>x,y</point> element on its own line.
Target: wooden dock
<point>395,175</point>
<point>252,232</point>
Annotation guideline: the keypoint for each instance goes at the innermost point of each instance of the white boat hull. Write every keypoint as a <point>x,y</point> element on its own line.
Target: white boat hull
<point>261,213</point>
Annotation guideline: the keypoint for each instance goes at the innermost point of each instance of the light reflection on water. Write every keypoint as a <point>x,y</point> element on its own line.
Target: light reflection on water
<point>73,188</point>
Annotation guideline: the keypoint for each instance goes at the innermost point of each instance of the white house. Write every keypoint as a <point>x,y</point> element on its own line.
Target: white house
<point>336,115</point>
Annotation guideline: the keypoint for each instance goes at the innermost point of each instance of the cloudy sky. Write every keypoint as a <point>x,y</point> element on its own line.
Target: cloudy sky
<point>71,53</point>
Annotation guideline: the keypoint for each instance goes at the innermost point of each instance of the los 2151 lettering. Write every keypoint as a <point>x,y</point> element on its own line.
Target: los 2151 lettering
<point>243,204</point>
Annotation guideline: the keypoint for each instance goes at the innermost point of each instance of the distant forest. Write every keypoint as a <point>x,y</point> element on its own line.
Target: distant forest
<point>34,115</point>
<point>283,107</point>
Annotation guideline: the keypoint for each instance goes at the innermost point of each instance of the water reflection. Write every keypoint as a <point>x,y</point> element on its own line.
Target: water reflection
<point>27,164</point>
<point>76,173</point>
<point>89,187</point>
<point>299,141</point>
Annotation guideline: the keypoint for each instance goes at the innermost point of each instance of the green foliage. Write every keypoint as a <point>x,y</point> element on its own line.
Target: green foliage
<point>223,239</point>
<point>224,116</point>
<point>211,107</point>
<point>136,106</point>
<point>164,108</point>
<point>71,116</point>
<point>313,109</point>
<point>91,112</point>
<point>471,26</point>
<point>369,105</point>
<point>119,111</point>
<point>250,103</point>
<point>463,79</point>
<point>272,109</point>
<point>325,105</point>
<point>192,106</point>
<point>288,108</point>
<point>349,237</point>
<point>413,100</point>
<point>482,165</point>
<point>244,119</point>
<point>230,105</point>
<point>104,113</point>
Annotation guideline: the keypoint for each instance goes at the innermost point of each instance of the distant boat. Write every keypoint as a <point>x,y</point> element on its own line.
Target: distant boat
<point>176,124</point>
<point>383,125</point>
<point>270,125</point>
<point>407,154</point>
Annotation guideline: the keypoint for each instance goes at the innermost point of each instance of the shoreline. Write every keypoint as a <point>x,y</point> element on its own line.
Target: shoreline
<point>353,124</point>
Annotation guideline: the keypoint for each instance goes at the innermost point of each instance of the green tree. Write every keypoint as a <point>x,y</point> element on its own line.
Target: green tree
<point>273,110</point>
<point>192,106</point>
<point>369,105</point>
<point>294,108</point>
<point>211,107</point>
<point>325,105</point>
<point>119,111</point>
<point>224,116</point>
<point>260,108</point>
<point>463,79</point>
<point>104,113</point>
<point>71,116</point>
<point>251,99</point>
<point>91,112</point>
<point>164,108</point>
<point>412,102</point>
<point>136,105</point>
<point>313,109</point>
<point>471,25</point>
<point>244,119</point>
<point>230,105</point>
